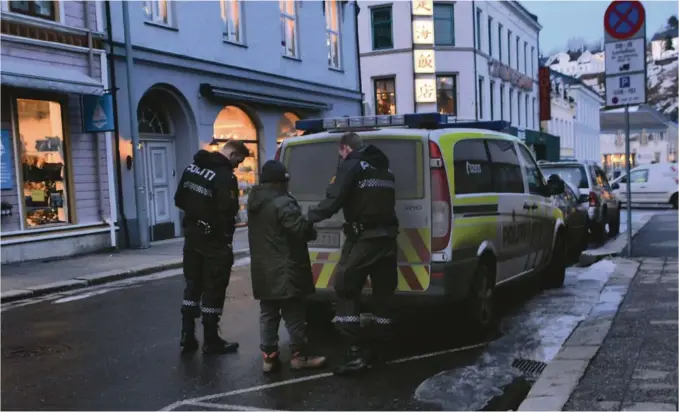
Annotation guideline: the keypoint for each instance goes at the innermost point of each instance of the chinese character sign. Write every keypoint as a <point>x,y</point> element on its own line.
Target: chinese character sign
<point>423,8</point>
<point>425,90</point>
<point>424,61</point>
<point>423,32</point>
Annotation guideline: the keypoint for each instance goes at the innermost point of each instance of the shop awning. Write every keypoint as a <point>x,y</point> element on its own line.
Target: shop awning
<point>234,96</point>
<point>18,73</point>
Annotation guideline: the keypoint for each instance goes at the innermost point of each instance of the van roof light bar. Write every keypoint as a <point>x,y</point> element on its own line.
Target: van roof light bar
<point>411,121</point>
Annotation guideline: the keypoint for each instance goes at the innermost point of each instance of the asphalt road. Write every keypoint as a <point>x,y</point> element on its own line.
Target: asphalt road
<point>115,347</point>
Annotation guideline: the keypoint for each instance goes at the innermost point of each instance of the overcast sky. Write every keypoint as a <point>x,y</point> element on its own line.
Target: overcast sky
<point>562,20</point>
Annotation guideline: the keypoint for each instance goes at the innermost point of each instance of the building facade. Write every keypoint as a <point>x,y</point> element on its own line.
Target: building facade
<point>576,118</point>
<point>229,69</point>
<point>57,188</point>
<point>475,60</point>
<point>653,138</point>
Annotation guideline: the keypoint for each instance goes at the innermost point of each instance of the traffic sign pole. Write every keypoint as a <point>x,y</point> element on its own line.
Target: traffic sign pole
<point>625,57</point>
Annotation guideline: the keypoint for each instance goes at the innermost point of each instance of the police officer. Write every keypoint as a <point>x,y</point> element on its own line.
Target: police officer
<point>208,195</point>
<point>364,189</point>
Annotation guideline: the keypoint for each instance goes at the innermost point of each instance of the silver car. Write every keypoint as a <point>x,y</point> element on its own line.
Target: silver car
<point>603,207</point>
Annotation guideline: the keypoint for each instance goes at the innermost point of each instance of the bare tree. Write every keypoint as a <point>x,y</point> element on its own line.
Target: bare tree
<point>575,43</point>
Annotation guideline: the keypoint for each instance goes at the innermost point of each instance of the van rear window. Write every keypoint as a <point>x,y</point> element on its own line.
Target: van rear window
<point>312,165</point>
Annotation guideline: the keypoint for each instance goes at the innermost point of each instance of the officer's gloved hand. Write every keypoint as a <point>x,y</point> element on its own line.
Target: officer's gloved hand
<point>312,234</point>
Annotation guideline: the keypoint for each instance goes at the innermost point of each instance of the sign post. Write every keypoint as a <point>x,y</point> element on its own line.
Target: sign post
<point>625,57</point>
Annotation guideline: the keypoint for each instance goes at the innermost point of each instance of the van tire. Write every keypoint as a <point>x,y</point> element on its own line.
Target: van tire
<point>479,304</point>
<point>673,201</point>
<point>554,274</point>
<point>614,225</point>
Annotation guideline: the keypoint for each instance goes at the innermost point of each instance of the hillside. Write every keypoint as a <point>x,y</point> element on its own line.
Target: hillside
<point>663,87</point>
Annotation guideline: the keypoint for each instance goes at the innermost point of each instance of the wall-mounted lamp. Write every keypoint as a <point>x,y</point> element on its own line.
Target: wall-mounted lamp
<point>128,162</point>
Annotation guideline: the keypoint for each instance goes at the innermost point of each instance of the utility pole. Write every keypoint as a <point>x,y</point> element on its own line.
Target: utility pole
<point>138,162</point>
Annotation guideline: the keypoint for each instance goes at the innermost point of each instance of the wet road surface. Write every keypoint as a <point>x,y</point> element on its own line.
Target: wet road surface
<point>115,347</point>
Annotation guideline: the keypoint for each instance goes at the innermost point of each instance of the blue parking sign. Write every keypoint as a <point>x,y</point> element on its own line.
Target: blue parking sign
<point>624,81</point>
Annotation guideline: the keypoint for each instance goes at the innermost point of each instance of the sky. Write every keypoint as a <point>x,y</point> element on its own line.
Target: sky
<point>563,20</point>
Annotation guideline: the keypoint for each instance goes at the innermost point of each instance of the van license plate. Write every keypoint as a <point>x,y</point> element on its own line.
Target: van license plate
<point>327,239</point>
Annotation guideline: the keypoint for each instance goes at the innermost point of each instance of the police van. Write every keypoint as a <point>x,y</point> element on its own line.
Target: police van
<point>474,209</point>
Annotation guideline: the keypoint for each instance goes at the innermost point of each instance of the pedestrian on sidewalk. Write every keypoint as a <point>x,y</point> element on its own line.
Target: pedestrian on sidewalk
<point>280,266</point>
<point>208,195</point>
<point>364,189</point>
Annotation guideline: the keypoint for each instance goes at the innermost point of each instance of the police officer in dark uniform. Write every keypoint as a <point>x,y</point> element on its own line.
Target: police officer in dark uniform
<point>208,194</point>
<point>364,189</point>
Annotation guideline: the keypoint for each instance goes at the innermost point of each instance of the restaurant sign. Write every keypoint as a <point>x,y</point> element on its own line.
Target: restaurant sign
<point>506,73</point>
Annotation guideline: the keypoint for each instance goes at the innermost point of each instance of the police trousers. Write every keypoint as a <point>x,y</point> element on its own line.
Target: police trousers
<point>293,312</point>
<point>362,259</point>
<point>206,277</point>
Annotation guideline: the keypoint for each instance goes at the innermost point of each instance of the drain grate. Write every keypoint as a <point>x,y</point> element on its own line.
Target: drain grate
<point>33,351</point>
<point>529,368</point>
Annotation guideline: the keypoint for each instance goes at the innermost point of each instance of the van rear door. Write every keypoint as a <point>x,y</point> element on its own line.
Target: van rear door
<point>313,160</point>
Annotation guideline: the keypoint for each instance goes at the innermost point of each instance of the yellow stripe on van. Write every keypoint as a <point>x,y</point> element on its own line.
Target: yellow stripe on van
<point>476,200</point>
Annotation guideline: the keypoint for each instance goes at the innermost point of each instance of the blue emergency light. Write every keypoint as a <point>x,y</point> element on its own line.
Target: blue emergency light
<point>411,121</point>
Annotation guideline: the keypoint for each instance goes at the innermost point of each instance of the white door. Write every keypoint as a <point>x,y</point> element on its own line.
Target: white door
<point>159,159</point>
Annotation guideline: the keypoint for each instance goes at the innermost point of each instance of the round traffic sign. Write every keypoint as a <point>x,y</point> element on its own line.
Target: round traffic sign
<point>624,18</point>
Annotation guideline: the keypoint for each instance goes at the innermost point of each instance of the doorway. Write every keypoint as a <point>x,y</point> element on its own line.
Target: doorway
<point>161,183</point>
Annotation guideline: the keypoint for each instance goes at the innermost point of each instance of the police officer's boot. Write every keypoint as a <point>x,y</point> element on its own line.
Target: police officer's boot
<point>213,343</point>
<point>188,342</point>
<point>355,362</point>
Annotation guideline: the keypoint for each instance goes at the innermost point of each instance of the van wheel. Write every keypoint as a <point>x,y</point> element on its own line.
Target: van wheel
<point>479,304</point>
<point>554,274</point>
<point>599,229</point>
<point>614,225</point>
<point>673,201</point>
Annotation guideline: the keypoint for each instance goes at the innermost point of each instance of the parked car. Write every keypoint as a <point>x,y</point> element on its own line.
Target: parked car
<point>651,184</point>
<point>594,190</point>
<point>575,216</point>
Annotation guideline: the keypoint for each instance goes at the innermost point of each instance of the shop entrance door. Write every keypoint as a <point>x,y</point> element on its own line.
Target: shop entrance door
<point>160,181</point>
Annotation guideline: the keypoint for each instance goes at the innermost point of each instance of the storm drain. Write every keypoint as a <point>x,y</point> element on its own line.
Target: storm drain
<point>33,351</point>
<point>530,369</point>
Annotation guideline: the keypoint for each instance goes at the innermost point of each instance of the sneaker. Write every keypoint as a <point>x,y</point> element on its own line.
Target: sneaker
<point>271,362</point>
<point>301,361</point>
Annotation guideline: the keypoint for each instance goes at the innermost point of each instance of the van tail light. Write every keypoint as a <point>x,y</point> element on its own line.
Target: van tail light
<point>593,200</point>
<point>278,154</point>
<point>440,200</point>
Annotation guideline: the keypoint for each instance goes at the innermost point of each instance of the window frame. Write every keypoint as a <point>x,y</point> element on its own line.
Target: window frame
<point>497,189</point>
<point>454,92</point>
<point>479,15</point>
<point>526,109</point>
<point>480,97</point>
<point>502,101</point>
<point>390,23</point>
<point>532,60</point>
<point>284,16</point>
<point>518,59</point>
<point>640,171</point>
<point>518,108</point>
<point>384,79</point>
<point>533,113</point>
<point>490,36</point>
<point>153,6</point>
<point>525,57</point>
<point>511,109</point>
<point>499,41</point>
<point>527,160</point>
<point>229,19</point>
<point>32,13</point>
<point>509,48</point>
<point>451,7</point>
<point>335,6</point>
<point>69,199</point>
<point>491,98</point>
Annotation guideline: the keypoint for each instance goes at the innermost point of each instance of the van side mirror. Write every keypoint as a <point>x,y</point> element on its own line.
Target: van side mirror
<point>556,185</point>
<point>615,186</point>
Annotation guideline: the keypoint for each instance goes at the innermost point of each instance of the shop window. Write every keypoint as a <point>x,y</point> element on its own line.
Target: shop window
<point>232,18</point>
<point>157,11</point>
<point>234,123</point>
<point>42,153</point>
<point>289,28</point>
<point>446,95</point>
<point>332,26</point>
<point>382,30</point>
<point>40,9</point>
<point>286,127</point>
<point>385,96</point>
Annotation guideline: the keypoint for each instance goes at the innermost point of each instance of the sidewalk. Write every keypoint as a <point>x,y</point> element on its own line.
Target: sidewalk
<point>624,355</point>
<point>25,279</point>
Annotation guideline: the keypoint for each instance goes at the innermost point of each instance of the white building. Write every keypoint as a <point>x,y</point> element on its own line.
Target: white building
<point>575,117</point>
<point>653,138</point>
<point>475,60</point>
<point>660,43</point>
<point>577,63</point>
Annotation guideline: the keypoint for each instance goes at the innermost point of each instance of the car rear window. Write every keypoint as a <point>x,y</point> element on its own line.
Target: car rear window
<point>575,174</point>
<point>312,165</point>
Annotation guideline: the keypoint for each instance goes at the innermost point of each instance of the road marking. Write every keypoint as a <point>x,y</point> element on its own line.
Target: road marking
<point>227,406</point>
<point>314,377</point>
<point>84,295</point>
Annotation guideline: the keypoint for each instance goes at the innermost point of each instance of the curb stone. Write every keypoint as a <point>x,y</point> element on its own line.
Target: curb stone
<point>95,279</point>
<point>559,379</point>
<point>614,247</point>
